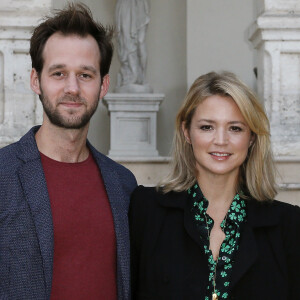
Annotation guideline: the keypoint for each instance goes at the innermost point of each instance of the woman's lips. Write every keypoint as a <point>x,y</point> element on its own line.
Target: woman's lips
<point>220,155</point>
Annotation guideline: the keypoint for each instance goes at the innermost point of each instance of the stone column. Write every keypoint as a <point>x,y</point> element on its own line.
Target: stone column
<point>19,107</point>
<point>276,36</point>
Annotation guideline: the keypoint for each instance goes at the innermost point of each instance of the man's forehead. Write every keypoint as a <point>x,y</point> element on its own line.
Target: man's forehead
<point>60,47</point>
<point>59,37</point>
<point>54,67</point>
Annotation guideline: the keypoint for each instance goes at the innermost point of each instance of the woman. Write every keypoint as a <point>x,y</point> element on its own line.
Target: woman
<point>212,230</point>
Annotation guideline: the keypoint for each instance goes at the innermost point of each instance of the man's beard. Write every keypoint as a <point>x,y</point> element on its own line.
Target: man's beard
<point>72,121</point>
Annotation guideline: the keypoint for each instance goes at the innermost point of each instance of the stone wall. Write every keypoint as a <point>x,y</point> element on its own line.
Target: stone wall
<point>19,107</point>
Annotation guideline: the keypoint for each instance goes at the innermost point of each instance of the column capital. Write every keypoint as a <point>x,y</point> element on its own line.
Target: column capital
<point>275,27</point>
<point>277,6</point>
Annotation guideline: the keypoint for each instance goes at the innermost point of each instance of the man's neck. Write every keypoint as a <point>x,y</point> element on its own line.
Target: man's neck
<point>65,145</point>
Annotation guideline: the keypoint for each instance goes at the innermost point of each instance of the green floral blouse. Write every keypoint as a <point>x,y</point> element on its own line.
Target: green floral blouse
<point>231,225</point>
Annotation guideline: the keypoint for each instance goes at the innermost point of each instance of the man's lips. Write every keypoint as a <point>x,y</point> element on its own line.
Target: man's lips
<point>220,155</point>
<point>71,104</point>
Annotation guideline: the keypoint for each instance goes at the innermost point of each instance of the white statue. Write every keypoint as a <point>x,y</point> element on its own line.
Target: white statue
<point>132,18</point>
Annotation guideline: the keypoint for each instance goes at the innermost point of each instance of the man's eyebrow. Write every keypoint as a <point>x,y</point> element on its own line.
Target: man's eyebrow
<point>83,67</point>
<point>56,66</point>
<point>89,68</point>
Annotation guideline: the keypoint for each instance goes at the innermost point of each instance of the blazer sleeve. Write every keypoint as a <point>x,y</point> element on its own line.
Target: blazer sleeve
<point>292,249</point>
<point>139,205</point>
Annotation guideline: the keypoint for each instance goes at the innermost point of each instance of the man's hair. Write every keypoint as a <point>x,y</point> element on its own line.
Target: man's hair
<point>257,173</point>
<point>76,18</point>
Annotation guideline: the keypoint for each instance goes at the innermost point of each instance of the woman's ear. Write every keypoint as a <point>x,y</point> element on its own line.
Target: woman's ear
<point>185,132</point>
<point>252,139</point>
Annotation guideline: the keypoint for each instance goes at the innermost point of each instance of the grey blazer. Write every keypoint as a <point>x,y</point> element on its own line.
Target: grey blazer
<point>26,229</point>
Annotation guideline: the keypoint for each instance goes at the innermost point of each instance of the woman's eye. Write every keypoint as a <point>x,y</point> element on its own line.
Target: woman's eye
<point>235,128</point>
<point>206,127</point>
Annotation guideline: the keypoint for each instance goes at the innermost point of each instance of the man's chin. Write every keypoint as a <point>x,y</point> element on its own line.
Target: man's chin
<point>69,124</point>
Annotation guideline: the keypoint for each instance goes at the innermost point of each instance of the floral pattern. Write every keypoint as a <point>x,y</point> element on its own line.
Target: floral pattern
<point>231,226</point>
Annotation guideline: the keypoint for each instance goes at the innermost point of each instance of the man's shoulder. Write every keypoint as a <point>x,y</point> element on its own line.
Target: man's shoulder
<point>107,161</point>
<point>109,166</point>
<point>8,156</point>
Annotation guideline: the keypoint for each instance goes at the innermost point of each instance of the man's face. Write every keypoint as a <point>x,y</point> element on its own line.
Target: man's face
<point>70,82</point>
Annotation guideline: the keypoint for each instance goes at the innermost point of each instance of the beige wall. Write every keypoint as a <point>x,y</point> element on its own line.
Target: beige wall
<point>166,72</point>
<point>217,38</point>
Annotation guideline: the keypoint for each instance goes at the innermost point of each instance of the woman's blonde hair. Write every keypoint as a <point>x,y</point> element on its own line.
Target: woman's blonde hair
<point>257,173</point>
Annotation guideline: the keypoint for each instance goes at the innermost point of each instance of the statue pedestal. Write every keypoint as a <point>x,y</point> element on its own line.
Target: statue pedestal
<point>133,124</point>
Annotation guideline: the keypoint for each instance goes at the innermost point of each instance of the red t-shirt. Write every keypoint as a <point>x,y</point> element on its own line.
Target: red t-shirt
<point>84,239</point>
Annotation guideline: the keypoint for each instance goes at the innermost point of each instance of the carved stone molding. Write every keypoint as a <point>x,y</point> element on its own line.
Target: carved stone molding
<point>276,36</point>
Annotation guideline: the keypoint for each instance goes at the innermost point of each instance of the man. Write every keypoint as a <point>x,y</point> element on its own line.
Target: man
<point>63,205</point>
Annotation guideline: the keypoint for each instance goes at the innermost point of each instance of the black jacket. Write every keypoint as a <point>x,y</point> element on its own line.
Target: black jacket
<point>168,260</point>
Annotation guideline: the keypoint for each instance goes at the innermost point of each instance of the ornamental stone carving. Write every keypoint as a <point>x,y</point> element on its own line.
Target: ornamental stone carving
<point>132,18</point>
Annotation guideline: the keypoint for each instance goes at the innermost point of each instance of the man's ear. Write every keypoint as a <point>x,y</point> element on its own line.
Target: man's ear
<point>35,82</point>
<point>185,132</point>
<point>104,86</point>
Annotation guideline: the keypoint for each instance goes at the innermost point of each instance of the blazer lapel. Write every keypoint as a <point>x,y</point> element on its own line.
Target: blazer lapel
<point>246,255</point>
<point>33,182</point>
<point>257,216</point>
<point>119,206</point>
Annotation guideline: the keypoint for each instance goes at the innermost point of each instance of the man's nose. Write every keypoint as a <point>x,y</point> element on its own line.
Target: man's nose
<point>72,85</point>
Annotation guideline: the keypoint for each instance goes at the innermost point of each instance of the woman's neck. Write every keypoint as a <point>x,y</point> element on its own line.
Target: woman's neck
<point>219,191</point>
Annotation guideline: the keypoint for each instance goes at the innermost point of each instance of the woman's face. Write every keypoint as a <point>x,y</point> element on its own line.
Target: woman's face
<point>220,137</point>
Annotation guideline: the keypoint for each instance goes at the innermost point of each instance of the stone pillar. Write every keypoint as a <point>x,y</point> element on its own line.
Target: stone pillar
<point>19,107</point>
<point>276,36</point>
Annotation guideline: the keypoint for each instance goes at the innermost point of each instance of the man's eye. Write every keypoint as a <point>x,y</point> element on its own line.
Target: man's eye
<point>58,74</point>
<point>206,127</point>
<point>86,76</point>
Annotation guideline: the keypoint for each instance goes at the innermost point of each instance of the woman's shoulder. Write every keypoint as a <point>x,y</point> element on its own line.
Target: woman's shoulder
<point>289,214</point>
<point>145,190</point>
<point>286,209</point>
<point>145,199</point>
<point>274,212</point>
<point>156,194</point>
<point>275,205</point>
<point>144,204</point>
